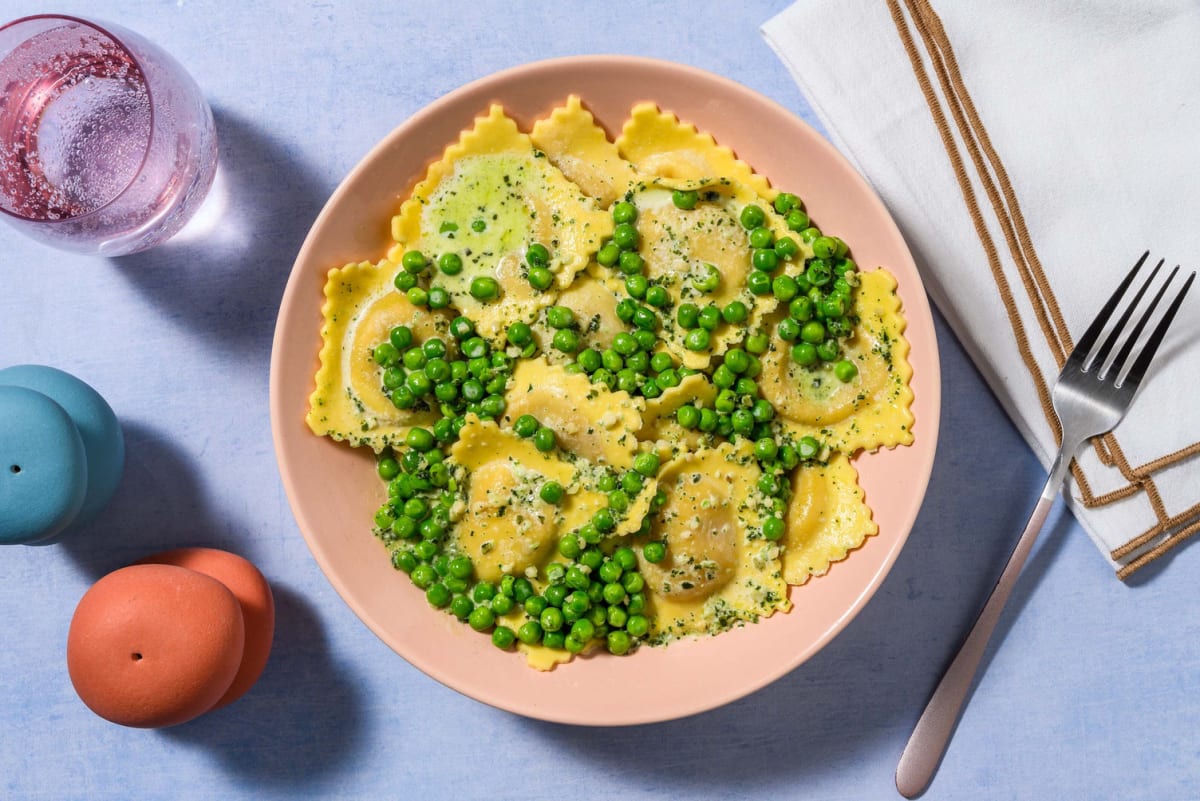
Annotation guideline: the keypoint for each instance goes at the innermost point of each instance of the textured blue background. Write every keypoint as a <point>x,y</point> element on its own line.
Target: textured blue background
<point>1093,693</point>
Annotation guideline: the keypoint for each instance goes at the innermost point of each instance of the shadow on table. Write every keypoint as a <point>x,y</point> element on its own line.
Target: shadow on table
<point>302,719</point>
<point>158,506</point>
<point>864,691</point>
<point>223,275</point>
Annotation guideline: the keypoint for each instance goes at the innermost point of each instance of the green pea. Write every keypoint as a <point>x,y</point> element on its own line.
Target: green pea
<point>535,605</point>
<point>632,482</point>
<point>569,546</point>
<point>405,281</point>
<point>765,449</point>
<point>761,237</point>
<point>773,528</point>
<point>625,236</point>
<point>812,332</point>
<point>631,263</point>
<point>737,360</point>
<point>758,282</point>
<point>764,260</point>
<point>743,421</point>
<point>614,593</point>
<point>423,576</point>
<point>560,317</point>
<point>833,306</point>
<point>551,492</point>
<point>552,619</point>
<point>786,201</point>
<point>583,630</point>
<point>724,377</point>
<point>752,217</point>
<point>656,295</point>
<point>710,318</point>
<point>786,248</point>
<point>539,278</point>
<point>828,350</point>
<point>503,637</point>
<point>450,263</point>
<point>735,312</point>
<point>624,212</point>
<point>785,288</point>
<point>661,361</point>
<point>608,254</point>
<point>800,309</point>
<point>808,447</point>
<point>639,362</point>
<point>618,501</point>
<point>654,552</point>
<point>688,316</point>
<point>479,226</point>
<point>636,286</point>
<point>696,340</point>
<point>708,280</point>
<point>537,255</point>
<point>544,439</point>
<point>461,328</point>
<point>437,595</point>
<point>763,411</point>
<point>590,360</point>
<point>484,288</point>
<point>818,273</point>
<point>645,319</point>
<point>604,520</point>
<point>637,626</point>
<point>413,261</point>
<point>592,558</point>
<point>530,632</point>
<point>688,416</point>
<point>797,220</point>
<point>525,426</point>
<point>788,329</point>
<point>685,198</point>
<point>618,643</point>
<point>624,343</point>
<point>825,247</point>
<point>809,234</point>
<point>566,340</point>
<point>439,298</point>
<point>502,604</point>
<point>845,370</point>
<point>385,354</point>
<point>400,337</point>
<point>419,439</point>
<point>667,379</point>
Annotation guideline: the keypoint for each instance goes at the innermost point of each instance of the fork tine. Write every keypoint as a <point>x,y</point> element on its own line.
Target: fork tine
<point>1101,354</point>
<point>1138,370</point>
<point>1119,363</point>
<point>1085,343</point>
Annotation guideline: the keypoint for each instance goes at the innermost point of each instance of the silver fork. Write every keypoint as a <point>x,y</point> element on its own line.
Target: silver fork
<point>1092,394</point>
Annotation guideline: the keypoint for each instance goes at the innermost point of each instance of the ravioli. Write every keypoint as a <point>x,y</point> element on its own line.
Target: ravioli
<point>588,420</point>
<point>868,412</point>
<point>575,144</point>
<point>826,519</point>
<point>658,421</point>
<point>718,570</point>
<point>490,197</point>
<point>593,300</point>
<point>505,526</point>
<point>349,402</point>
<point>658,144</point>
<point>682,247</point>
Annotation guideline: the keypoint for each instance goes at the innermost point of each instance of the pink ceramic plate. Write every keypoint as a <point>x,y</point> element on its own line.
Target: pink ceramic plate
<point>334,491</point>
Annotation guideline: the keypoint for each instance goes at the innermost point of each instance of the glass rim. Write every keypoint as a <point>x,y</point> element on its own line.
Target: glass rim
<point>137,65</point>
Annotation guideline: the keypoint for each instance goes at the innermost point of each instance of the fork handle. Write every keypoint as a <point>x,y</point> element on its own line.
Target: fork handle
<point>932,733</point>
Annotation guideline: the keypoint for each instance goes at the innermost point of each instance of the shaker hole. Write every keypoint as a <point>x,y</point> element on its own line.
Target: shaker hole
<point>137,657</point>
<point>16,468</point>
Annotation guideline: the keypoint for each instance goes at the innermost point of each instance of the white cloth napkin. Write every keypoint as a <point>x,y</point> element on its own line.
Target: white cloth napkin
<point>1093,111</point>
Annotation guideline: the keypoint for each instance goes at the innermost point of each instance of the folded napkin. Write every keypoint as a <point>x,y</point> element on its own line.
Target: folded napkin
<point>1031,152</point>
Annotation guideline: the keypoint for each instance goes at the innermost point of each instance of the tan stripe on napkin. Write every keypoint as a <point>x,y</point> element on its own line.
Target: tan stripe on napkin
<point>989,171</point>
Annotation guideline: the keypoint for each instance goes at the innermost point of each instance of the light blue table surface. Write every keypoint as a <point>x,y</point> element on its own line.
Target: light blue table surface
<point>1093,693</point>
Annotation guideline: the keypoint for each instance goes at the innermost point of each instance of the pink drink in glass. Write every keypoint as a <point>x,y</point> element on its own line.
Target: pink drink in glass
<point>106,144</point>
